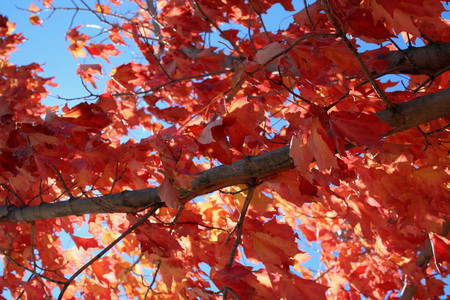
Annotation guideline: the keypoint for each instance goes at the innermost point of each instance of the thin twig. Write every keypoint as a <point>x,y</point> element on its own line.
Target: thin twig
<point>378,90</point>
<point>224,35</point>
<point>30,270</point>
<point>313,27</point>
<point>226,290</point>
<point>176,80</point>
<point>150,287</point>
<point>14,194</point>
<point>66,188</point>
<point>431,78</point>
<point>240,225</point>
<point>101,253</point>
<point>261,19</point>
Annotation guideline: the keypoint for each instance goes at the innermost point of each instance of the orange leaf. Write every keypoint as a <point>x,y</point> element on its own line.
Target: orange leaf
<point>272,249</point>
<point>300,153</point>
<point>35,20</point>
<point>33,8</point>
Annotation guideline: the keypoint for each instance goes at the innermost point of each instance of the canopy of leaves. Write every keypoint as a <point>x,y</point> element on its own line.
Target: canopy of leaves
<point>293,137</point>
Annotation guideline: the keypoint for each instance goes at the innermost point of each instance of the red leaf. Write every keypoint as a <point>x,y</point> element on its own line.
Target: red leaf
<point>314,142</point>
<point>102,50</point>
<point>238,278</point>
<point>33,292</point>
<point>107,102</point>
<point>361,129</point>
<point>168,194</point>
<point>87,72</point>
<point>268,52</point>
<point>155,239</point>
<point>441,250</point>
<point>85,243</point>
<point>88,115</point>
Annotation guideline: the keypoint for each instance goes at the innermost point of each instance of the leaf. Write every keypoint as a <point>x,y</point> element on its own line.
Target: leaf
<point>87,72</point>
<point>35,20</point>
<point>33,8</point>
<point>106,102</point>
<point>361,129</point>
<point>300,153</point>
<point>322,147</point>
<point>102,50</point>
<point>314,142</point>
<point>299,288</point>
<point>33,292</point>
<point>85,243</point>
<point>78,41</point>
<point>105,9</point>
<point>441,251</point>
<point>87,115</point>
<point>168,194</point>
<point>272,249</point>
<point>157,240</point>
<point>268,52</point>
<point>237,278</point>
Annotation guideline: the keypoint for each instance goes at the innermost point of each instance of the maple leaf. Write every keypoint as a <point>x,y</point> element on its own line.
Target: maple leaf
<point>85,243</point>
<point>238,278</point>
<point>78,41</point>
<point>361,129</point>
<point>269,52</point>
<point>102,50</point>
<point>87,115</point>
<point>441,250</point>
<point>102,8</point>
<point>35,20</point>
<point>316,144</point>
<point>87,72</point>
<point>33,8</point>
<point>34,292</point>
<point>169,194</point>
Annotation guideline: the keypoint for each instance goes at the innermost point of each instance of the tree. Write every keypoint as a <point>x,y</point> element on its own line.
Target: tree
<point>293,138</point>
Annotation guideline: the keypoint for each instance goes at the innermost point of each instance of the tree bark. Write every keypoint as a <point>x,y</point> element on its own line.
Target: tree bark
<point>406,115</point>
<point>427,60</point>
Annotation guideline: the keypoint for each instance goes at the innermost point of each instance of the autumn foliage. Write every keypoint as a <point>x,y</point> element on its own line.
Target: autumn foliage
<point>264,148</point>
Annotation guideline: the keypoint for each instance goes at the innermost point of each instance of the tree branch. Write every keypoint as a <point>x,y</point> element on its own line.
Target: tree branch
<point>407,115</point>
<point>428,59</point>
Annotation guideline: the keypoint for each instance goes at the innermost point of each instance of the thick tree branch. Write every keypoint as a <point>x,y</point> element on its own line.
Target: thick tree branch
<point>428,60</point>
<point>407,115</point>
